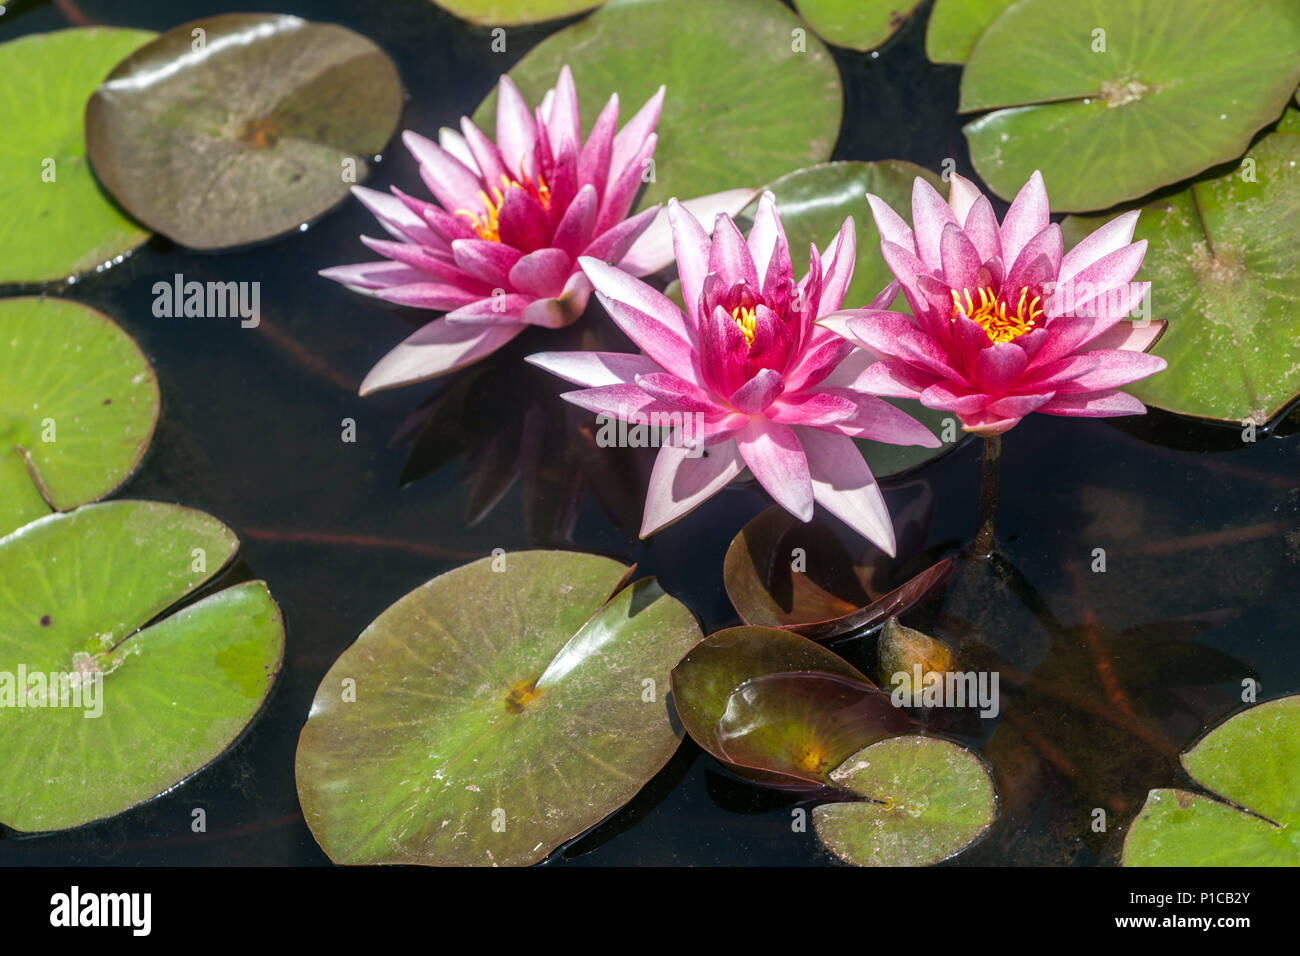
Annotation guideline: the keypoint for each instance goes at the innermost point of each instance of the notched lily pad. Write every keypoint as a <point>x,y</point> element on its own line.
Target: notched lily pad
<point>78,406</point>
<point>924,800</point>
<point>856,24</point>
<point>781,572</point>
<point>1252,763</point>
<point>778,708</point>
<point>733,78</point>
<point>198,138</point>
<point>1224,265</point>
<point>138,702</point>
<point>55,221</point>
<point>955,25</point>
<point>1112,99</point>
<point>493,713</point>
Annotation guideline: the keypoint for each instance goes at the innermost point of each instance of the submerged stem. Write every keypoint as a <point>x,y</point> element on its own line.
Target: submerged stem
<point>990,479</point>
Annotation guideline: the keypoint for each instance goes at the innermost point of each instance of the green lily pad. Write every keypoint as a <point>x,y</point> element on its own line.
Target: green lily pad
<point>830,594</point>
<point>813,203</point>
<point>497,711</point>
<point>777,707</point>
<point>78,405</point>
<point>513,13</point>
<point>1224,263</point>
<point>1175,92</point>
<point>81,594</point>
<point>955,25</point>
<point>924,800</point>
<point>55,221</point>
<point>856,24</point>
<point>742,105</point>
<point>1252,760</point>
<point>212,149</point>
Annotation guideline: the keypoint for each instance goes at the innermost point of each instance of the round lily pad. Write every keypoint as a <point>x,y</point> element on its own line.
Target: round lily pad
<point>196,137</point>
<point>1224,264</point>
<point>777,707</point>
<point>78,405</point>
<point>782,572</point>
<point>743,104</point>
<point>813,203</point>
<point>511,13</point>
<point>493,713</point>
<point>856,24</point>
<point>924,800</point>
<point>1112,99</point>
<point>955,25</point>
<point>55,221</point>
<point>1253,760</point>
<point>136,703</point>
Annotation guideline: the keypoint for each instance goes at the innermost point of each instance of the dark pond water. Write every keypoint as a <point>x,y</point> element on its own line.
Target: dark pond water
<point>1201,531</point>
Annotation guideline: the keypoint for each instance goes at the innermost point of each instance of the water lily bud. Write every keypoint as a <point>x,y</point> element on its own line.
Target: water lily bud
<point>907,657</point>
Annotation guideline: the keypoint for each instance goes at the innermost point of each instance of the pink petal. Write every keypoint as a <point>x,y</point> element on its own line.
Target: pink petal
<point>675,391</point>
<point>729,256</point>
<point>654,250</point>
<point>774,455</point>
<point>1112,236</point>
<point>451,182</point>
<point>878,420</point>
<point>839,272</point>
<point>1024,273</point>
<point>759,392</point>
<point>892,380</point>
<point>487,261</point>
<point>578,224</point>
<point>929,215</point>
<point>625,182</point>
<point>494,310</point>
<point>684,478</point>
<point>594,368</point>
<point>523,222</point>
<point>891,225</point>
<point>998,366</point>
<point>962,194</point>
<point>455,144</point>
<point>1109,272</point>
<point>593,161</point>
<point>622,401</point>
<point>438,348</point>
<point>613,245</point>
<point>418,257</point>
<point>629,144</point>
<point>1131,336</point>
<point>563,124</point>
<point>982,230</point>
<point>1028,216</point>
<point>617,285</point>
<point>394,216</point>
<point>367,276</point>
<point>843,485</point>
<point>961,261</point>
<point>691,249</point>
<point>428,295</point>
<point>1097,405</point>
<point>486,155</point>
<point>542,273</point>
<point>1115,367</point>
<point>879,332</point>
<point>516,128</point>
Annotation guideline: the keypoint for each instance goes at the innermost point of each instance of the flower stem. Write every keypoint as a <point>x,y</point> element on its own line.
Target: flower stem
<point>990,479</point>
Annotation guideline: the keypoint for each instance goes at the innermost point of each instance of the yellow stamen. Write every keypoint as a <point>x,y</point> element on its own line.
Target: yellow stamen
<point>994,316</point>
<point>747,321</point>
<point>486,225</point>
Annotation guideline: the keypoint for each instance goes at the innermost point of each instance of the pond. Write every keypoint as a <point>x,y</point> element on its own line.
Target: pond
<point>345,503</point>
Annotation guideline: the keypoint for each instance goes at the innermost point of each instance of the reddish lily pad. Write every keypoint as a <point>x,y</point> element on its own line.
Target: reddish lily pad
<point>1224,264</point>
<point>196,137</point>
<point>493,713</point>
<point>78,406</point>
<point>924,800</point>
<point>781,572</point>
<point>1112,99</point>
<point>777,707</point>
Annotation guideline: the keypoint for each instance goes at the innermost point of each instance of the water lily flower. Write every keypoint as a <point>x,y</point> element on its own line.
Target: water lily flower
<point>764,386</point>
<point>1002,322</point>
<point>498,250</point>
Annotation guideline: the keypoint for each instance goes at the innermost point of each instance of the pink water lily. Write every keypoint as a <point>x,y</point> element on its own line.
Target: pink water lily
<point>764,386</point>
<point>1003,322</point>
<point>499,250</point>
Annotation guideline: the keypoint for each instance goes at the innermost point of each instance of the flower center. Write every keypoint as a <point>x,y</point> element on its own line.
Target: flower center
<point>993,314</point>
<point>487,224</point>
<point>747,321</point>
